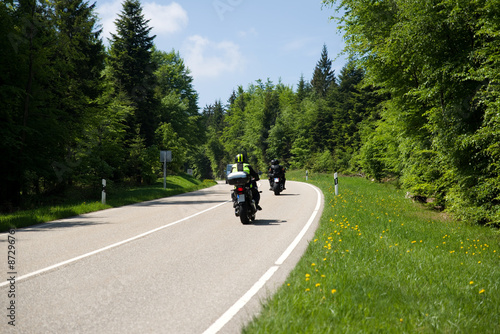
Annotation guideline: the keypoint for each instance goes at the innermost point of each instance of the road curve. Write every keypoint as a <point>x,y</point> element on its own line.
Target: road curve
<point>182,264</point>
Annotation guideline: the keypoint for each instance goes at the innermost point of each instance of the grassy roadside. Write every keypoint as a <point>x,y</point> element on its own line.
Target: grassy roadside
<point>381,264</point>
<point>116,196</point>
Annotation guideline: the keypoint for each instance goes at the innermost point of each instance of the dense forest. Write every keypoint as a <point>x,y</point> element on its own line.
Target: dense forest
<point>417,103</point>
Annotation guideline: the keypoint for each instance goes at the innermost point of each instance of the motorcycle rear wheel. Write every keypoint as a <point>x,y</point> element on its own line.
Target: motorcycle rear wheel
<point>276,188</point>
<point>244,214</point>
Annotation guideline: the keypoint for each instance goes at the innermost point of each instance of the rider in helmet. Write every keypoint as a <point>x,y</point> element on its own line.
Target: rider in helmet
<point>276,170</point>
<point>241,164</point>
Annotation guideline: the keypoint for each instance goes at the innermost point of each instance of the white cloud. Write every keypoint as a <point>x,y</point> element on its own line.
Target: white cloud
<point>163,18</point>
<point>211,59</point>
<point>108,12</point>
<point>166,18</point>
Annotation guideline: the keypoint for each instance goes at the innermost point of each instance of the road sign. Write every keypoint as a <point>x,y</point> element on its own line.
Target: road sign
<point>165,156</point>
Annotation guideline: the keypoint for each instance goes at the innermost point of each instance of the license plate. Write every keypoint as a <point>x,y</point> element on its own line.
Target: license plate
<point>276,179</point>
<point>241,198</point>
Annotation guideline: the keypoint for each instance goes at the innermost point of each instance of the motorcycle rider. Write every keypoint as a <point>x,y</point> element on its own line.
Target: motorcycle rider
<point>241,165</point>
<point>276,170</point>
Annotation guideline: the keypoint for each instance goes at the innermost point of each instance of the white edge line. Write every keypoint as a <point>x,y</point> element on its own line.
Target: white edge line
<point>295,242</point>
<point>233,310</point>
<point>60,264</point>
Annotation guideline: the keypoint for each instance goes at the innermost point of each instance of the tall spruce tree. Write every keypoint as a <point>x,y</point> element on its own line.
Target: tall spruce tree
<point>324,76</point>
<point>79,65</point>
<point>133,68</point>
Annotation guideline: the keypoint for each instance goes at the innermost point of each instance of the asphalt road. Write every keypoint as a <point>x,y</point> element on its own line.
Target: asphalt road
<point>183,264</point>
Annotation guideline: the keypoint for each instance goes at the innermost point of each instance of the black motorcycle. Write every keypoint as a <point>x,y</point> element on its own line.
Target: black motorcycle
<point>243,203</point>
<point>277,185</point>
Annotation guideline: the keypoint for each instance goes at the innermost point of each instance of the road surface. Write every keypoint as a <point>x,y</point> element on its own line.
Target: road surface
<point>183,264</point>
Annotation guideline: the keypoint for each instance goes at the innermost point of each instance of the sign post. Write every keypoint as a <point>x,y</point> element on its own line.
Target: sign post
<point>307,174</point>
<point>165,156</point>
<point>336,184</point>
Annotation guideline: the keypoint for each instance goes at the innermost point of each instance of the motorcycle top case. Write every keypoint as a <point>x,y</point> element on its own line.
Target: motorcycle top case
<point>238,178</point>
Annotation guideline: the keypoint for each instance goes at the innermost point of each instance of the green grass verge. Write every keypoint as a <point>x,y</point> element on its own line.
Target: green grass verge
<point>382,264</point>
<point>116,196</point>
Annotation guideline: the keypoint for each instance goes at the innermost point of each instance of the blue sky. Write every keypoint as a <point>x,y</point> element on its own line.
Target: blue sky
<point>228,43</point>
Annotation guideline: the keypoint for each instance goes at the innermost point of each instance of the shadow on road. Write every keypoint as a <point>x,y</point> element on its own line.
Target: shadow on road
<point>268,222</point>
<point>76,221</point>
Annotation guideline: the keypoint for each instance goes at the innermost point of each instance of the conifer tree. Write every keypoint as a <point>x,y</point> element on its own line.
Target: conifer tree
<point>304,89</point>
<point>324,76</point>
<point>133,68</point>
<point>80,62</point>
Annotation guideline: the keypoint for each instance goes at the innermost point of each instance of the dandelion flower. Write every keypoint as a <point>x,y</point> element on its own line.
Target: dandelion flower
<point>308,289</point>
<point>333,290</point>
<point>318,284</point>
<point>481,291</point>
<point>471,282</point>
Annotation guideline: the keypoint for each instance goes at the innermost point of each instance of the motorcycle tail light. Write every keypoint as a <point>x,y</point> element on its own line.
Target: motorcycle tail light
<point>240,190</point>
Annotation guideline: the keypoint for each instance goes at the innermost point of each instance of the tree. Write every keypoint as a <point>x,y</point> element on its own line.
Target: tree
<point>178,99</point>
<point>79,64</point>
<point>303,89</point>
<point>54,56</point>
<point>132,66</point>
<point>323,76</point>
<point>437,62</point>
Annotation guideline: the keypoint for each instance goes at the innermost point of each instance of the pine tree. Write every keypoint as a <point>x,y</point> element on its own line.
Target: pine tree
<point>324,76</point>
<point>80,62</point>
<point>133,68</point>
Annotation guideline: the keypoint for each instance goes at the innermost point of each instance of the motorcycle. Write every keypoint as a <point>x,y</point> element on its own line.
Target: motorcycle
<point>277,185</point>
<point>243,203</point>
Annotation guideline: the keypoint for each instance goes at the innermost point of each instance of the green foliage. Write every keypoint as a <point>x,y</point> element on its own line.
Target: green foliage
<point>170,140</point>
<point>51,58</point>
<point>67,120</point>
<point>437,62</point>
<point>132,67</point>
<point>323,162</point>
<point>301,153</point>
<point>323,76</point>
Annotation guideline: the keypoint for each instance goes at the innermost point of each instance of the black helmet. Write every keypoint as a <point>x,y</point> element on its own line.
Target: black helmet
<point>275,162</point>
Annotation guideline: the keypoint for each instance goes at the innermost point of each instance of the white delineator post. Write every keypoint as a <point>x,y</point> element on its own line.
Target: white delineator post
<point>103,195</point>
<point>335,176</point>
